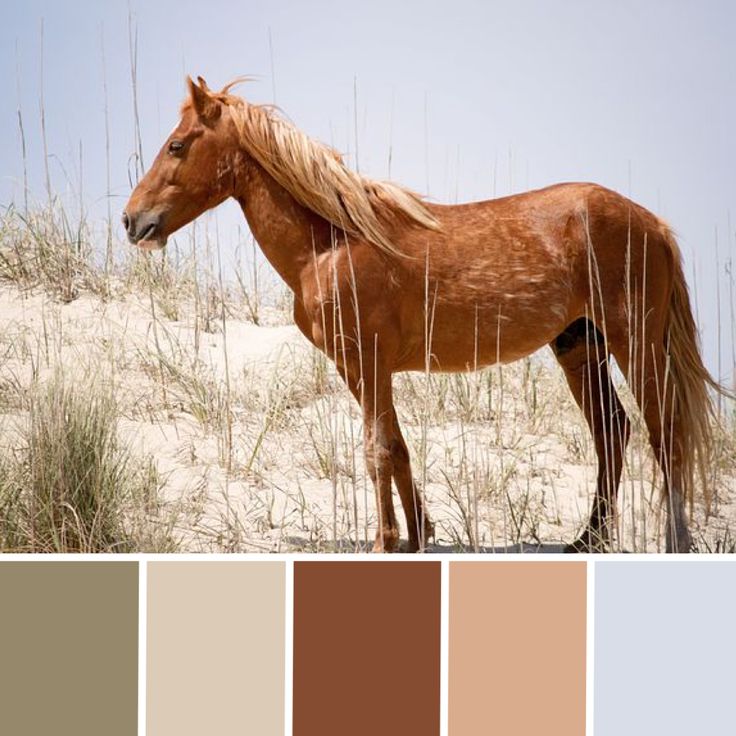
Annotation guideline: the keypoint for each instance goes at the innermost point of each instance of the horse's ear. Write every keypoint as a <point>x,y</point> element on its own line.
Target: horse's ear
<point>203,85</point>
<point>208,108</point>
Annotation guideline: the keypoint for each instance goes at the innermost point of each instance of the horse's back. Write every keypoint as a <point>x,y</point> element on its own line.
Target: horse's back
<point>503,277</point>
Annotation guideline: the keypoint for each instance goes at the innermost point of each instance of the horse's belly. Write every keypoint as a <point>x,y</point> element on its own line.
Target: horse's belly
<point>456,340</point>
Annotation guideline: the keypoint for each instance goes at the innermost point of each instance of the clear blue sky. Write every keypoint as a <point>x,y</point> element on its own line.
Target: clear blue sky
<point>470,98</point>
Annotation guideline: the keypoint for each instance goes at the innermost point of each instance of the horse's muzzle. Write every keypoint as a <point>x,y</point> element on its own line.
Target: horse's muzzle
<point>142,227</point>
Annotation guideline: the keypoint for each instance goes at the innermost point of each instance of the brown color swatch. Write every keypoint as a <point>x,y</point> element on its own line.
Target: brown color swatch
<point>69,648</point>
<point>517,648</point>
<point>366,648</point>
<point>215,658</point>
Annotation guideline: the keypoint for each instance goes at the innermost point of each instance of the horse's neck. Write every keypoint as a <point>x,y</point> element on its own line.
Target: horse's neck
<point>288,233</point>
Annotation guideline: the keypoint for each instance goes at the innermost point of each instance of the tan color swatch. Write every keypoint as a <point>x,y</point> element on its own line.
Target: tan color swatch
<point>366,648</point>
<point>68,648</point>
<point>517,648</point>
<point>215,636</point>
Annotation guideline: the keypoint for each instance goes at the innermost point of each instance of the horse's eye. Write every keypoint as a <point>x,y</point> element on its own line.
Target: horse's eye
<point>175,146</point>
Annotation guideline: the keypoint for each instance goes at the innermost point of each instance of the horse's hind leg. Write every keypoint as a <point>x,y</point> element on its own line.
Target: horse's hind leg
<point>419,527</point>
<point>652,388</point>
<point>581,351</point>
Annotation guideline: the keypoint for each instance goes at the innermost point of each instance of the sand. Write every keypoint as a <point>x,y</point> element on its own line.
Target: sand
<point>258,445</point>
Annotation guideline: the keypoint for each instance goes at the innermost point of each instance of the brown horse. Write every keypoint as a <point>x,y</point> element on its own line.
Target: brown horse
<point>384,282</point>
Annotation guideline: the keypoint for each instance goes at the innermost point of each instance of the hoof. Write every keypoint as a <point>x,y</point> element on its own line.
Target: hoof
<point>413,544</point>
<point>586,542</point>
<point>577,547</point>
<point>387,542</point>
<point>683,545</point>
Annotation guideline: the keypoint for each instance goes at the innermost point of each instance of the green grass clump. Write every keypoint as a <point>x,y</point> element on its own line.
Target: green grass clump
<point>71,486</point>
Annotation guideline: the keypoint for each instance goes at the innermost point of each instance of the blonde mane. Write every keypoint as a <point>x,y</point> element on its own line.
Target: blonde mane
<point>316,176</point>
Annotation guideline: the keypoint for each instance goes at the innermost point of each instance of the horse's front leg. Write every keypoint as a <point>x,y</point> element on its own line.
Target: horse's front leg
<point>418,524</point>
<point>362,355</point>
<point>373,392</point>
<point>380,466</point>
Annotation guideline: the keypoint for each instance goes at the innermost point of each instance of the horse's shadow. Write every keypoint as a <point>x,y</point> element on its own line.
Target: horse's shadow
<point>511,549</point>
<point>297,544</point>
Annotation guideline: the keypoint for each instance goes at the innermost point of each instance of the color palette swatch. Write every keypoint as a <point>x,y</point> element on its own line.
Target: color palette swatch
<point>517,636</point>
<point>665,647</point>
<point>215,658</point>
<point>68,648</point>
<point>366,648</point>
<point>367,645</point>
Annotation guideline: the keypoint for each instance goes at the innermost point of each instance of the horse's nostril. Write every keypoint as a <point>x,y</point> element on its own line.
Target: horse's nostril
<point>126,221</point>
<point>149,231</point>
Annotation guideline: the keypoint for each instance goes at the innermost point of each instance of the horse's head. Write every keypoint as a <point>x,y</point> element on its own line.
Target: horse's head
<point>192,173</point>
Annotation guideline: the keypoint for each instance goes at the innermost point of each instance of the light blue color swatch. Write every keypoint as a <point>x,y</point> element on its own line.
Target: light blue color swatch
<point>665,648</point>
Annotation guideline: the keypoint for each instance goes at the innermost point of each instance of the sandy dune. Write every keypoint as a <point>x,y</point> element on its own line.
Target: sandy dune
<point>258,445</point>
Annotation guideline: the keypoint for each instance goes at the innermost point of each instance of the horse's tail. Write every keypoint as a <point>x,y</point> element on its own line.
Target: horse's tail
<point>694,415</point>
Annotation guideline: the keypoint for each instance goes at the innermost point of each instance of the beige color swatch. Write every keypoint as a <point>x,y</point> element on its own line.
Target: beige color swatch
<point>215,636</point>
<point>517,648</point>
<point>68,648</point>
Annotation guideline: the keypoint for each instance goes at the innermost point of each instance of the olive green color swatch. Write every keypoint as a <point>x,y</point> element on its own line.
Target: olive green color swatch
<point>68,648</point>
